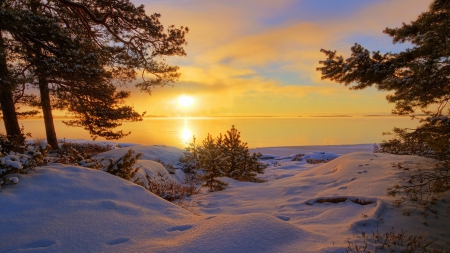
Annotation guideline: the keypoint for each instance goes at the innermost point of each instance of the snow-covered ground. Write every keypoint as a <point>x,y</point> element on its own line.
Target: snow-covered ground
<point>301,208</point>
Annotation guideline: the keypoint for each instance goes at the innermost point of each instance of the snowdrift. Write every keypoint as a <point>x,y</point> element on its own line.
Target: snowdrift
<point>301,208</point>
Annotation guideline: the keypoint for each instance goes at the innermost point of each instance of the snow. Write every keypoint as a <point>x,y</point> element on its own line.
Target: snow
<point>320,156</point>
<point>13,180</point>
<point>166,154</point>
<point>344,149</point>
<point>14,164</point>
<point>150,160</point>
<point>302,207</point>
<point>153,169</point>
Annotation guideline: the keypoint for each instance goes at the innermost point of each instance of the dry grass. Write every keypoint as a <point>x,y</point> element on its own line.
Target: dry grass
<point>394,242</point>
<point>167,189</point>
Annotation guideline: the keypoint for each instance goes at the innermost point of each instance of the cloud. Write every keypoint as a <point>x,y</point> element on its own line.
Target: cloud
<point>234,55</point>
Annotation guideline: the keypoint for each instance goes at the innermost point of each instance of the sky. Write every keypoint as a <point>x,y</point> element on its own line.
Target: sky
<point>259,57</point>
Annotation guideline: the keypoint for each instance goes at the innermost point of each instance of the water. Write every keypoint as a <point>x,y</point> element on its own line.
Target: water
<point>257,132</point>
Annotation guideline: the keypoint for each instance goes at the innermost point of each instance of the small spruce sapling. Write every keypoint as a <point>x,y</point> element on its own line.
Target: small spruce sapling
<point>251,167</point>
<point>123,167</point>
<point>214,163</point>
<point>232,146</point>
<point>243,166</point>
<point>189,162</point>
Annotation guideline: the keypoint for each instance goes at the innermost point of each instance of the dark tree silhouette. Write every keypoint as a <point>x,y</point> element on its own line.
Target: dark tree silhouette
<point>418,79</point>
<point>64,35</point>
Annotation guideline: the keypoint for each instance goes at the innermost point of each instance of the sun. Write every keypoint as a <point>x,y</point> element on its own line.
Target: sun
<point>185,101</point>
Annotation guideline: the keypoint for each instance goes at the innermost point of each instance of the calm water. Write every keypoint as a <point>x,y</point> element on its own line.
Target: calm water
<point>257,132</point>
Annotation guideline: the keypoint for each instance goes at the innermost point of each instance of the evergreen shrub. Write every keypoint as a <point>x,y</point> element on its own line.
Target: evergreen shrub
<point>225,156</point>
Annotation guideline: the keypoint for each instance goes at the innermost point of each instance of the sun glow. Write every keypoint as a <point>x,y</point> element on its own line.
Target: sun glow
<point>185,101</point>
<point>186,134</point>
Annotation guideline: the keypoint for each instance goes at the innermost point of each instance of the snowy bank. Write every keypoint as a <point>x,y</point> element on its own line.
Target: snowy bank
<point>301,208</point>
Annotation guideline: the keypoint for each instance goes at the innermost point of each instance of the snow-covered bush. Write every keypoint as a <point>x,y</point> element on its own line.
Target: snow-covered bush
<point>122,167</point>
<point>19,162</point>
<point>319,157</point>
<point>82,154</point>
<point>169,167</point>
<point>31,156</point>
<point>13,143</point>
<point>79,153</point>
<point>298,157</point>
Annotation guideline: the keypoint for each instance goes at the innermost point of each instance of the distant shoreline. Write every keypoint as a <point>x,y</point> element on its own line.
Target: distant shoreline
<point>332,116</point>
<point>58,117</point>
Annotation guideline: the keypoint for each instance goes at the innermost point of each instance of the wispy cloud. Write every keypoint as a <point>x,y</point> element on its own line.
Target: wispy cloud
<point>243,54</point>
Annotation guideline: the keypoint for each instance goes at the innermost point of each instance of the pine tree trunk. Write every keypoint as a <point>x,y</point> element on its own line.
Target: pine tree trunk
<point>9,114</point>
<point>6,97</point>
<point>45,99</point>
<point>47,112</point>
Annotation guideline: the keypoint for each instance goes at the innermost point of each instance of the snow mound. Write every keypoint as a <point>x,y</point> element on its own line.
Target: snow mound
<point>338,199</point>
<point>84,210</point>
<point>166,154</point>
<point>156,170</point>
<point>65,208</point>
<point>151,161</point>
<point>244,233</point>
<point>301,208</point>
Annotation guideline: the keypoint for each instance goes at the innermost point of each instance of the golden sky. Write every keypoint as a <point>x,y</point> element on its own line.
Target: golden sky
<point>259,57</point>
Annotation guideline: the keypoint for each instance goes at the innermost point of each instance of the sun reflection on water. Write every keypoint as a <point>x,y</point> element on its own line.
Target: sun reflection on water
<point>186,133</point>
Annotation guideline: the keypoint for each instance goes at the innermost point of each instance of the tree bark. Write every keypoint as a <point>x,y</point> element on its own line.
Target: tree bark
<point>6,97</point>
<point>9,115</point>
<point>48,116</point>
<point>45,97</point>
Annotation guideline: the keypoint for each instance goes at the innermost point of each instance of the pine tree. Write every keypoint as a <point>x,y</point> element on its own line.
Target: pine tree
<point>7,84</point>
<point>251,167</point>
<point>74,67</point>
<point>232,146</point>
<point>125,37</point>
<point>418,79</point>
<point>243,166</point>
<point>190,162</point>
<point>214,163</point>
